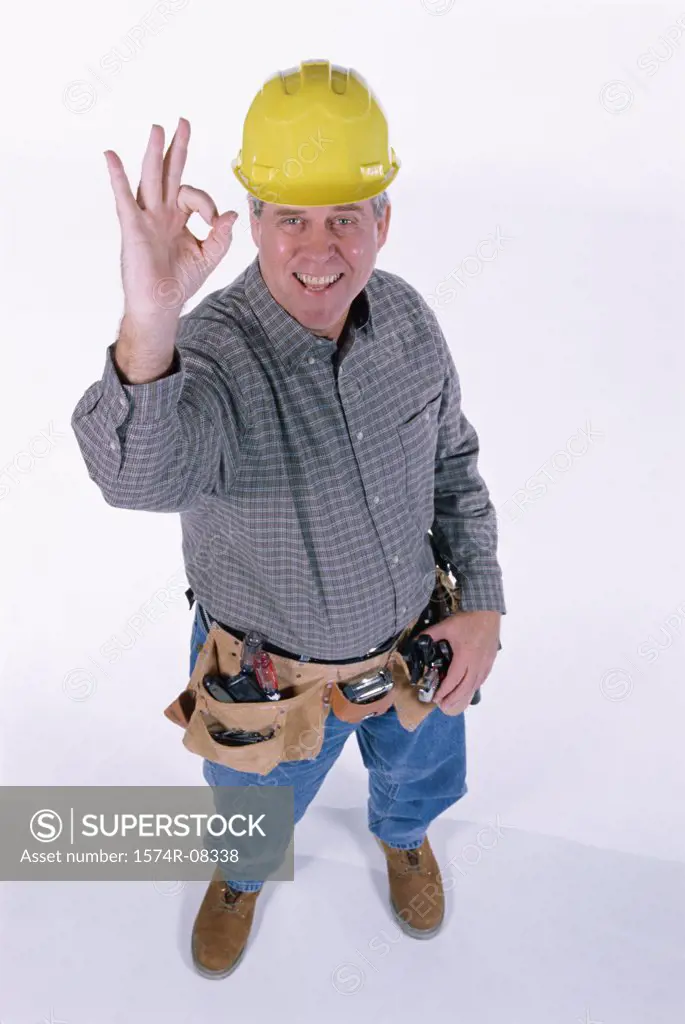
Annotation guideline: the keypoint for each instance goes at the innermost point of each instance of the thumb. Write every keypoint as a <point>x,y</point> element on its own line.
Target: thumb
<point>218,241</point>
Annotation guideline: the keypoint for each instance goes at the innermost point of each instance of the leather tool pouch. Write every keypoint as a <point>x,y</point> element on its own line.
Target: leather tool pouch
<point>350,711</point>
<point>293,726</point>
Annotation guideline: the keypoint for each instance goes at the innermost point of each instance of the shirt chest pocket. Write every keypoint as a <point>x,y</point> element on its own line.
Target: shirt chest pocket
<point>419,437</point>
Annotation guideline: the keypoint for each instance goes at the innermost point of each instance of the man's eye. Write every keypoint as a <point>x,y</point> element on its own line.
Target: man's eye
<point>292,220</point>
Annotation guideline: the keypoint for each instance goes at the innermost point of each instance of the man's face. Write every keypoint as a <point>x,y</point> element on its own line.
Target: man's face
<point>333,242</point>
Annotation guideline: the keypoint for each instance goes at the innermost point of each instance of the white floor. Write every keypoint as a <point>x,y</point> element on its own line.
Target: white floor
<point>538,930</point>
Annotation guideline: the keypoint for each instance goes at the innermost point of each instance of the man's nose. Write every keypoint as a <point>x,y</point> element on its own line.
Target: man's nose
<point>319,244</point>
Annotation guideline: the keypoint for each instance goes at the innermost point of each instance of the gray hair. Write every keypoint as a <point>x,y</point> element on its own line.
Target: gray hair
<point>378,204</point>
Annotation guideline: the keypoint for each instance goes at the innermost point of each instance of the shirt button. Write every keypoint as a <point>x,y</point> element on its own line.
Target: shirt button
<point>395,559</point>
<point>360,434</point>
<point>376,500</point>
<point>311,359</point>
<point>427,416</point>
<point>122,401</point>
<point>113,445</point>
<point>403,608</point>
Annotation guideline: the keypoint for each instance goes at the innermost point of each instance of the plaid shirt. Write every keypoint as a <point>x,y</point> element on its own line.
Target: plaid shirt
<point>311,477</point>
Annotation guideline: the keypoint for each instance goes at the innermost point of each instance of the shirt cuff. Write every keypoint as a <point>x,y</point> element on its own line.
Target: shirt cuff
<point>140,403</point>
<point>481,593</point>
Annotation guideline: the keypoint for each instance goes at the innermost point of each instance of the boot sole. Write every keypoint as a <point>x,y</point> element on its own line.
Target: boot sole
<point>206,973</point>
<point>415,933</point>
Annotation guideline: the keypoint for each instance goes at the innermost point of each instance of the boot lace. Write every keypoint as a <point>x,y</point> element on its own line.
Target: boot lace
<point>231,898</point>
<point>413,861</point>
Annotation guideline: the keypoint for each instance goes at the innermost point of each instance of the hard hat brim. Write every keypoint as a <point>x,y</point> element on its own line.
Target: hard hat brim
<point>292,193</point>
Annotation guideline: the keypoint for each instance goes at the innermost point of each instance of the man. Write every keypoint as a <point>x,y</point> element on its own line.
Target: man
<point>305,421</point>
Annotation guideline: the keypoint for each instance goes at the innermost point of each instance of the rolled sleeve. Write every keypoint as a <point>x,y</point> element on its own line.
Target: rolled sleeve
<point>141,403</point>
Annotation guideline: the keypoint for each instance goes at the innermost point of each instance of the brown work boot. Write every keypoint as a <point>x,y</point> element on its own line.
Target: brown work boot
<point>221,928</point>
<point>416,894</point>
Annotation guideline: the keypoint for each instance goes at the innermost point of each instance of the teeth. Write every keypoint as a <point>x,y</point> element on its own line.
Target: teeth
<point>317,282</point>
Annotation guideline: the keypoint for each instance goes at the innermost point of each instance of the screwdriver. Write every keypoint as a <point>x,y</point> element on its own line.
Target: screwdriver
<point>263,668</point>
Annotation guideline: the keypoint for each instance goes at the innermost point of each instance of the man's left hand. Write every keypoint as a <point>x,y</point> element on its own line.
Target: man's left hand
<point>474,639</point>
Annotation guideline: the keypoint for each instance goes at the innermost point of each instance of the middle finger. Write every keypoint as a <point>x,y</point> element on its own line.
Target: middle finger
<point>175,161</point>
<point>150,188</point>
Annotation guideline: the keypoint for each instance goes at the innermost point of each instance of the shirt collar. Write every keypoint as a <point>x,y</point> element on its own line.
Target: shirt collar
<point>289,339</point>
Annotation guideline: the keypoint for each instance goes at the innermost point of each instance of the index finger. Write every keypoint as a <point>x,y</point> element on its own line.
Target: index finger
<point>458,676</point>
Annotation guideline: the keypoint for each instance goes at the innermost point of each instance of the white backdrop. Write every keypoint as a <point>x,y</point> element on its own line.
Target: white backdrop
<point>558,130</point>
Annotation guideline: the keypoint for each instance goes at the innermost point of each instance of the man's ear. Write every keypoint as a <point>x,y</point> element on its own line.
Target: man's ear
<point>255,228</point>
<point>384,227</point>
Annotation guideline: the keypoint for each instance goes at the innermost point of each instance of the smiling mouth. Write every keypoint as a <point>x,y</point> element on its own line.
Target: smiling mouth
<point>317,284</point>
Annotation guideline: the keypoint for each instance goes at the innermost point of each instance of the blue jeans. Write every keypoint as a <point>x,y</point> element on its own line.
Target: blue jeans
<point>413,776</point>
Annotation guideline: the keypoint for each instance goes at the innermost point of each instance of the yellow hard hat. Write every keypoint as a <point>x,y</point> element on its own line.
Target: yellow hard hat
<point>315,136</point>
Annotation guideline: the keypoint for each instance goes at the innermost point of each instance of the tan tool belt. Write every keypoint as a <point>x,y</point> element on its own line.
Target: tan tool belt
<point>295,723</point>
